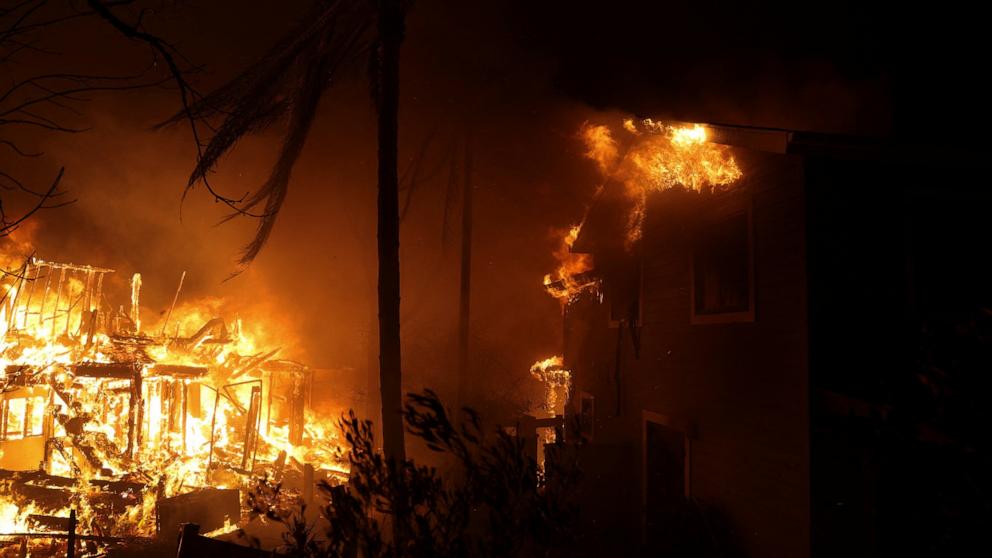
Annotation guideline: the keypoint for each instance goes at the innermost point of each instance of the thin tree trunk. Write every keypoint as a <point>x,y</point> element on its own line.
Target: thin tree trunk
<point>390,378</point>
<point>465,289</point>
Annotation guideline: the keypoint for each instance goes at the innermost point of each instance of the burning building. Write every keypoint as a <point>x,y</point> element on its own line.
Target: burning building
<point>739,352</point>
<point>132,429</point>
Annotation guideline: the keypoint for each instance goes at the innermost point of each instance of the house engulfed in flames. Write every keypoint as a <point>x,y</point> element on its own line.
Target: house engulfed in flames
<point>137,430</point>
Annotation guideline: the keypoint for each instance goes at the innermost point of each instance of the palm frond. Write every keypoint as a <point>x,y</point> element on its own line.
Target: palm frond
<point>287,83</point>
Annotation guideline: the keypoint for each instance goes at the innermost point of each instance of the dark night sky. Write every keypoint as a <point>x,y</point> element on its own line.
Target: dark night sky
<point>522,76</point>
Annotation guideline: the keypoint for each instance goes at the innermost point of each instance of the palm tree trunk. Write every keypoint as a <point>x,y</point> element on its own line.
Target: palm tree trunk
<point>391,24</point>
<point>465,290</point>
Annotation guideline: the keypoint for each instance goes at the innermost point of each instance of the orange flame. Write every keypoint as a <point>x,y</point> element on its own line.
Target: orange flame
<point>53,323</point>
<point>557,381</point>
<point>600,146</point>
<point>567,282</point>
<point>663,157</point>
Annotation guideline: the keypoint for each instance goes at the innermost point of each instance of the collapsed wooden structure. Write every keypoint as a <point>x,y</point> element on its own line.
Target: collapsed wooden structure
<point>95,413</point>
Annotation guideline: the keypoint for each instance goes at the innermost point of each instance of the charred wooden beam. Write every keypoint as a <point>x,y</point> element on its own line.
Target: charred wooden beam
<point>91,328</point>
<point>137,405</point>
<point>58,298</point>
<point>213,427</point>
<point>179,370</point>
<point>43,479</point>
<point>44,298</point>
<point>118,370</point>
<point>32,285</point>
<point>70,266</point>
<point>48,522</point>
<point>252,362</point>
<point>297,412</point>
<point>251,428</point>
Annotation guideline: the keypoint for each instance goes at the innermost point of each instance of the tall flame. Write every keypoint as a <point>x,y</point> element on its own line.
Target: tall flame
<point>557,381</point>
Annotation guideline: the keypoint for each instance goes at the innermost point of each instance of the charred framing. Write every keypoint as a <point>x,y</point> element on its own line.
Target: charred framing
<point>122,427</point>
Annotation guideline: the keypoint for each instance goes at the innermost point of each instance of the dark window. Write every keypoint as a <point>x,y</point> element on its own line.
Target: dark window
<point>721,269</point>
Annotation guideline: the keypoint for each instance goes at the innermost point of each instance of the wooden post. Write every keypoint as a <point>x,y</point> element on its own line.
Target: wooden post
<point>173,306</point>
<point>88,293</point>
<point>307,483</point>
<point>27,305</point>
<point>91,330</point>
<point>251,427</point>
<point>135,416</point>
<point>297,411</point>
<point>172,399</point>
<point>58,298</point>
<point>99,290</point>
<point>12,318</point>
<point>44,296</point>
<point>213,425</point>
<point>69,305</point>
<point>71,550</point>
<point>465,288</point>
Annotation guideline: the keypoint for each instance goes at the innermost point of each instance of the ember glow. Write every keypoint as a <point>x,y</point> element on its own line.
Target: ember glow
<point>104,417</point>
<point>660,157</point>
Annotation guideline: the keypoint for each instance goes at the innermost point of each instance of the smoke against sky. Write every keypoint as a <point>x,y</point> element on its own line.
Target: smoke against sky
<point>467,71</point>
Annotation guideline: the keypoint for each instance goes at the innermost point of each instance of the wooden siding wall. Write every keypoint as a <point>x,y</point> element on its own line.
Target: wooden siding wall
<point>740,389</point>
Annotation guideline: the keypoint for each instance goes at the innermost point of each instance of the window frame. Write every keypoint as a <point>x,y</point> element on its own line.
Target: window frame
<point>26,417</point>
<point>741,316</point>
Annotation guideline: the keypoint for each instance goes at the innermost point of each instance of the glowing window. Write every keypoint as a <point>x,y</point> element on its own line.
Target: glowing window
<point>16,411</point>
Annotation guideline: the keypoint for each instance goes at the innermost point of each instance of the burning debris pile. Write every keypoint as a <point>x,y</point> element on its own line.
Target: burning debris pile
<point>126,427</point>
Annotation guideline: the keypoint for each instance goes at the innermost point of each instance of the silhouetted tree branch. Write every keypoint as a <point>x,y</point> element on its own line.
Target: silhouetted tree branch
<point>35,100</point>
<point>284,85</point>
